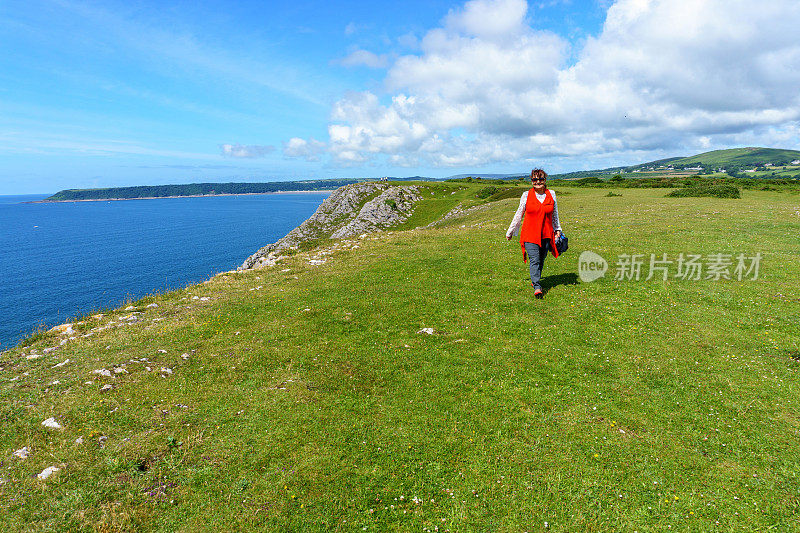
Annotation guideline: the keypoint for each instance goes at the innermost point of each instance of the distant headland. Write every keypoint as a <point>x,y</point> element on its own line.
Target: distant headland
<point>142,192</point>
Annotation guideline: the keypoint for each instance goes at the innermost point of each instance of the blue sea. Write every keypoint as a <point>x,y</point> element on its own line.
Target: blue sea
<point>60,260</point>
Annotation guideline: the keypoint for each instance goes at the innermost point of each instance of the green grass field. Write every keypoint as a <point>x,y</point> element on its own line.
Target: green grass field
<point>303,398</point>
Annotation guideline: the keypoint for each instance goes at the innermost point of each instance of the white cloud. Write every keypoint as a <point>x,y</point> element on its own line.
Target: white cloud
<point>245,151</point>
<point>487,86</point>
<point>309,150</point>
<point>364,58</point>
<point>408,40</point>
<point>493,19</point>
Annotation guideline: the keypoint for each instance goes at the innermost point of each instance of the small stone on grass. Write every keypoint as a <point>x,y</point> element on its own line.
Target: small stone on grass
<point>51,423</point>
<point>47,472</point>
<point>22,453</point>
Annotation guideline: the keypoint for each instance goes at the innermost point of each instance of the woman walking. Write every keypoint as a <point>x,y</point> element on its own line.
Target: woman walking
<point>540,228</point>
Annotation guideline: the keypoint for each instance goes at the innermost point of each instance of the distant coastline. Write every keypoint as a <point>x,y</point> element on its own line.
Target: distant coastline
<point>195,190</point>
<point>45,201</point>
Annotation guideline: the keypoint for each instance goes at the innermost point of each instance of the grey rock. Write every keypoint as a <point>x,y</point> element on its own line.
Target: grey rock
<point>351,210</point>
<point>391,207</point>
<point>47,472</point>
<point>62,328</point>
<point>51,423</point>
<point>22,453</point>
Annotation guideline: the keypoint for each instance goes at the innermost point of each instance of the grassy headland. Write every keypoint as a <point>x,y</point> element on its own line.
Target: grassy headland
<point>302,397</point>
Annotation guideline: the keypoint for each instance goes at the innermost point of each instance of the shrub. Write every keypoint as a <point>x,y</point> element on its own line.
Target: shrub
<point>612,193</point>
<point>507,192</point>
<point>715,191</point>
<point>486,192</point>
<point>616,178</point>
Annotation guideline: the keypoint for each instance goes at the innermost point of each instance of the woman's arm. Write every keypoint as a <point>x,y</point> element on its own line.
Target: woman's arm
<point>513,229</point>
<point>556,222</point>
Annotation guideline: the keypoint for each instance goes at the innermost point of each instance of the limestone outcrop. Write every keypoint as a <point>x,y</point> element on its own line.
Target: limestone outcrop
<point>349,211</point>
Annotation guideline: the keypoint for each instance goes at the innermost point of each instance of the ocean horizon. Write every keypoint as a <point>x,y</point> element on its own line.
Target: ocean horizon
<point>62,260</point>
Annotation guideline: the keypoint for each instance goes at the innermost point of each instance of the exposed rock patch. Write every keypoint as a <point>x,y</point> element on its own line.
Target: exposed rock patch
<point>388,209</point>
<point>351,210</point>
<point>457,212</point>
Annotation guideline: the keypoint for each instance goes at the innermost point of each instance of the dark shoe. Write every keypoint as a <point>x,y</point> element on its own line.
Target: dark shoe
<point>538,294</point>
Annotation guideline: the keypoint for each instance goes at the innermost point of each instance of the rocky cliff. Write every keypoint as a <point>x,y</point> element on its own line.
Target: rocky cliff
<point>351,210</point>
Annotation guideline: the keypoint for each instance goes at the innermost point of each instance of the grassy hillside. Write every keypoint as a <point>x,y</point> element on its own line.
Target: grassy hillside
<point>730,158</point>
<point>743,157</point>
<point>304,398</point>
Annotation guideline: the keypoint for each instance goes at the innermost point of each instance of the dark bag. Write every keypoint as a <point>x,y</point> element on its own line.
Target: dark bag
<point>562,243</point>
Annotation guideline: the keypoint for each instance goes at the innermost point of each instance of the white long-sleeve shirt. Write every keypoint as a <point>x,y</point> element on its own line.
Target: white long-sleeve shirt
<point>516,223</point>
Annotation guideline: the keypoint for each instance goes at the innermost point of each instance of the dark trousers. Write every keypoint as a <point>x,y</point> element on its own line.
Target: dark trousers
<point>536,255</point>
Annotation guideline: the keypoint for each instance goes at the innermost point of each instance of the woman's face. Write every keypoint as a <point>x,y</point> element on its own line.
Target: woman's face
<point>539,183</point>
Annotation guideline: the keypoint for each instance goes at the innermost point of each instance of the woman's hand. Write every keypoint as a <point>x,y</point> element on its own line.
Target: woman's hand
<point>557,235</point>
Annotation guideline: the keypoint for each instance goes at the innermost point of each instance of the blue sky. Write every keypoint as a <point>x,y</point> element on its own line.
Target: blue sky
<point>97,94</point>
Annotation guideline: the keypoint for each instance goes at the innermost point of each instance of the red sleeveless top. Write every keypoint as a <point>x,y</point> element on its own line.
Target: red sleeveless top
<point>538,222</point>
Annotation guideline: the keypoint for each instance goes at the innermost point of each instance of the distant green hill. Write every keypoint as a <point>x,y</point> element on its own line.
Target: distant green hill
<point>733,157</point>
<point>733,160</point>
<point>743,156</point>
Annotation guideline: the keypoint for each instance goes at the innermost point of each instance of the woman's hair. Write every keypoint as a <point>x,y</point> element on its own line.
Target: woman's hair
<point>538,173</point>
